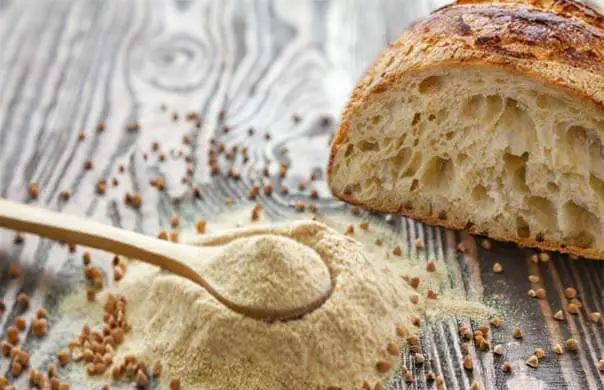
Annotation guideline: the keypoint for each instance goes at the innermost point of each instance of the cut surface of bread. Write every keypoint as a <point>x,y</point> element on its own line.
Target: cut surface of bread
<point>488,143</point>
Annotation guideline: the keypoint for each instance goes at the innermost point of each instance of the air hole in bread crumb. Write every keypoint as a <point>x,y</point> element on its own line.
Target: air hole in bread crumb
<point>480,195</point>
<point>542,102</point>
<point>544,211</point>
<point>397,163</point>
<point>578,139</point>
<point>414,185</point>
<point>494,108</point>
<point>365,146</point>
<point>416,118</point>
<point>430,85</point>
<point>349,150</point>
<point>414,165</point>
<point>515,167</point>
<point>579,225</point>
<point>552,187</point>
<point>472,106</point>
<point>438,174</point>
<point>522,228</point>
<point>597,186</point>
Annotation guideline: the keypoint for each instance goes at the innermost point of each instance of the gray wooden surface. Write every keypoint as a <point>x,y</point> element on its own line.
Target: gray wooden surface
<point>66,65</point>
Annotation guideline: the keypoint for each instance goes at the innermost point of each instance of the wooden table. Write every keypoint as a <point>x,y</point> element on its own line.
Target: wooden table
<point>67,66</point>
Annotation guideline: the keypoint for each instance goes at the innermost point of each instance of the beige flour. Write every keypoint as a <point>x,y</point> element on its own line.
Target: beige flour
<point>211,347</point>
<point>269,271</point>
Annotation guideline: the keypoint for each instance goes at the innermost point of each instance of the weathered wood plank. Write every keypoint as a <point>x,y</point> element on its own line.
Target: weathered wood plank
<point>67,65</point>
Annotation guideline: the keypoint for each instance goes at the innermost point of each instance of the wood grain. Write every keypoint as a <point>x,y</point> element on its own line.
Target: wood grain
<point>67,65</point>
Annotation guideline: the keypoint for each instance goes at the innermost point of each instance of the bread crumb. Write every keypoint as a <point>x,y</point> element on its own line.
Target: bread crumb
<point>595,316</point>
<point>544,257</point>
<point>533,279</point>
<point>498,349</point>
<point>539,352</point>
<point>558,349</point>
<point>535,258</point>
<point>517,333</point>
<point>419,243</point>
<point>474,386</point>
<point>486,243</point>
<point>540,293</point>
<point>397,251</point>
<point>497,268</point>
<point>532,293</point>
<point>559,315</point>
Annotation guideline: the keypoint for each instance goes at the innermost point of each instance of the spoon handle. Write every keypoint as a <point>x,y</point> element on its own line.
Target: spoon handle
<point>164,254</point>
<point>76,230</point>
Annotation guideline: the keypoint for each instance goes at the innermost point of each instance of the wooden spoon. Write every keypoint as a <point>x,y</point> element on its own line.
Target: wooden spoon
<point>164,254</point>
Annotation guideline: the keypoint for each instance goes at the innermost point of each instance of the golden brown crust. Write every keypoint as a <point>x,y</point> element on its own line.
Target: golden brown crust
<point>463,225</point>
<point>557,42</point>
<point>566,8</point>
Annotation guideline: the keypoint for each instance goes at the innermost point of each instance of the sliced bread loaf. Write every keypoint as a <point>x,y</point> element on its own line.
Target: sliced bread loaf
<point>486,116</point>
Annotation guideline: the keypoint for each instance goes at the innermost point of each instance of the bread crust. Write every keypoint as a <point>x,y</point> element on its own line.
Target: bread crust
<point>559,43</point>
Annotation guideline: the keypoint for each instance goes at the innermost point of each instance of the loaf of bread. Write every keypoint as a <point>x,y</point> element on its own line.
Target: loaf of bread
<point>486,116</point>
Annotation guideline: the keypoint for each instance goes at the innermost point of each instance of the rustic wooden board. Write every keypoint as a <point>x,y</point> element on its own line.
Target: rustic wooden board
<point>67,64</point>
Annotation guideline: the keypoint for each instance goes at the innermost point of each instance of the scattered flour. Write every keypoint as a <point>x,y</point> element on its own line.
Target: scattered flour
<point>339,344</point>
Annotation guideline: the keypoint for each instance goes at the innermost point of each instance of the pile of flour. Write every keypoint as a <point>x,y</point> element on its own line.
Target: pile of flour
<point>211,347</point>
